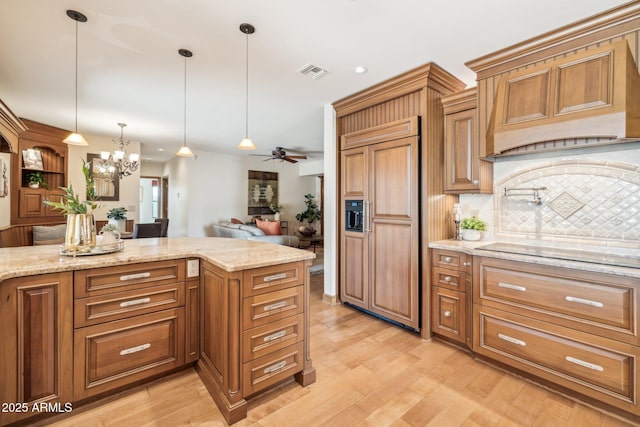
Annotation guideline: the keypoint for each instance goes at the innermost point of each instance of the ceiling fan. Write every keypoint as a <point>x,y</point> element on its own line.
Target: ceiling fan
<point>280,154</point>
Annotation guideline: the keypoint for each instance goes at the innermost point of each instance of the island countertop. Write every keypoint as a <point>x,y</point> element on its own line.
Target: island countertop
<point>228,254</point>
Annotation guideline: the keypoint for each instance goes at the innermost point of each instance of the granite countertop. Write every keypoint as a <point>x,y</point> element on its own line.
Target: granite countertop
<point>228,254</point>
<point>474,248</point>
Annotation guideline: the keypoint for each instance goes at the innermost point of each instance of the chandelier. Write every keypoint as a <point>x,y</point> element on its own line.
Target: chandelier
<point>118,162</point>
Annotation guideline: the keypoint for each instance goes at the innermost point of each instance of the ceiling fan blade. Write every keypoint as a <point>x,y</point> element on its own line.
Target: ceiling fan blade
<point>297,157</point>
<point>289,159</point>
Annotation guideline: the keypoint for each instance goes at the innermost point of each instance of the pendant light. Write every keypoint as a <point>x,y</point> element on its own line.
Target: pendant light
<point>247,143</point>
<point>75,138</point>
<point>184,151</point>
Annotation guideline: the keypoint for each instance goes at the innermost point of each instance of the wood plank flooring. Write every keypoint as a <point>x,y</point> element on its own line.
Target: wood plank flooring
<point>369,373</point>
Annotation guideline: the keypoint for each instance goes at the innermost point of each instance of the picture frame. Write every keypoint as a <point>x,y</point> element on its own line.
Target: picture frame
<point>262,192</point>
<point>107,185</point>
<point>32,159</point>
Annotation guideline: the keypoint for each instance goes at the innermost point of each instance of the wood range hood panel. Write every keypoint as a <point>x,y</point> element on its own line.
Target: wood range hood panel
<point>590,94</point>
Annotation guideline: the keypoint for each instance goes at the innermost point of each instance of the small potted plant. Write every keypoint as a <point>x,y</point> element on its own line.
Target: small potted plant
<point>472,228</point>
<point>311,214</point>
<point>276,209</point>
<point>118,218</point>
<point>36,180</point>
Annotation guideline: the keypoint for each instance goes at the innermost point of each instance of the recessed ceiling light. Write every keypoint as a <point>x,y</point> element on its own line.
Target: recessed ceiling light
<point>160,149</point>
<point>360,69</point>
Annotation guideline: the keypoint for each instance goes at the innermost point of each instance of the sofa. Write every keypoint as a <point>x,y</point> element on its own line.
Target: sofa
<point>249,232</point>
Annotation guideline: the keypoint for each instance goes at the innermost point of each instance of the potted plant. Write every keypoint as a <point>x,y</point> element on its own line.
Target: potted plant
<point>118,217</point>
<point>311,214</point>
<point>36,180</point>
<point>80,235</point>
<point>276,209</point>
<point>472,228</point>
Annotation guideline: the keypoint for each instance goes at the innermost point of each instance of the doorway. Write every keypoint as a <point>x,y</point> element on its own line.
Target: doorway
<point>152,198</point>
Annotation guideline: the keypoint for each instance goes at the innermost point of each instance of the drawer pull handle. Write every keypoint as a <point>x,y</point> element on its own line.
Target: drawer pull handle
<point>135,302</point>
<point>466,263</point>
<point>275,305</point>
<point>510,286</point>
<point>134,276</point>
<point>447,259</point>
<point>135,349</point>
<point>585,364</point>
<point>275,367</point>
<point>512,340</point>
<point>275,277</point>
<point>275,336</point>
<point>584,301</point>
<point>447,313</point>
<point>447,279</point>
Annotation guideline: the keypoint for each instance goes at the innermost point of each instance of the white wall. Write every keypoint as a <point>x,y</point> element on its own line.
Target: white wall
<point>129,185</point>
<point>330,203</point>
<point>151,168</point>
<point>5,202</point>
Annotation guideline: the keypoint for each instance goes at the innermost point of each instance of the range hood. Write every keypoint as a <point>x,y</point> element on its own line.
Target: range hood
<point>10,127</point>
<point>591,94</point>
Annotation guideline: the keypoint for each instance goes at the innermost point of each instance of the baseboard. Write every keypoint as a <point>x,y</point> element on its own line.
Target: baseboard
<point>330,299</point>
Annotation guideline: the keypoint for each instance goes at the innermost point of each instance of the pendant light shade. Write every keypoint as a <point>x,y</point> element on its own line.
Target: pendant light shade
<point>75,138</point>
<point>247,143</point>
<point>184,151</point>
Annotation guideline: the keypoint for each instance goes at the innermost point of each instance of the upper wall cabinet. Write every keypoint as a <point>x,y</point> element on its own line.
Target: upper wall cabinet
<point>464,171</point>
<point>590,94</point>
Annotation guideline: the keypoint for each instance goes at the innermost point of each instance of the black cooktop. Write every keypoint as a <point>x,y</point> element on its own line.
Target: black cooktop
<point>566,254</point>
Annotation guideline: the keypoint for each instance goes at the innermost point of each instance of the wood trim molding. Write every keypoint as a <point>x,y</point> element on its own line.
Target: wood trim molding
<point>10,127</point>
<point>386,132</point>
<point>460,101</point>
<point>578,34</point>
<point>428,75</point>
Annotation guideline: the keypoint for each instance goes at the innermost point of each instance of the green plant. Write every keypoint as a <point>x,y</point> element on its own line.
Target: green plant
<point>109,227</point>
<point>275,208</point>
<point>473,223</point>
<point>37,178</point>
<point>312,213</point>
<point>70,201</point>
<point>119,214</point>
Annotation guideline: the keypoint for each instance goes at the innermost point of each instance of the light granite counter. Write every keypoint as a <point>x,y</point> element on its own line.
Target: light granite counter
<point>473,248</point>
<point>228,254</point>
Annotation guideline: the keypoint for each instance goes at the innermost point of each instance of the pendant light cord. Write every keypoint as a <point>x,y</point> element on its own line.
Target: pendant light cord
<point>246,116</point>
<point>185,102</point>
<point>76,76</point>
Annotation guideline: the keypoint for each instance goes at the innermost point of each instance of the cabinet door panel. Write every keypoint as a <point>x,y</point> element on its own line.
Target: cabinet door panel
<point>354,172</point>
<point>448,316</point>
<point>31,202</point>
<point>355,269</point>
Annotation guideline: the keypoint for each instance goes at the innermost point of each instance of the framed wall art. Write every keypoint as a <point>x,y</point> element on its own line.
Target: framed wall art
<point>107,185</point>
<point>263,191</point>
<point>32,159</point>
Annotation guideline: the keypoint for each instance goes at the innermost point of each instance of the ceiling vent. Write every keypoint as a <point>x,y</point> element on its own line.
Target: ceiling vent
<point>313,70</point>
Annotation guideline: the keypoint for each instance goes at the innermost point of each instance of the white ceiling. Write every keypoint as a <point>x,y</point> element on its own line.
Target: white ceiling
<point>129,69</point>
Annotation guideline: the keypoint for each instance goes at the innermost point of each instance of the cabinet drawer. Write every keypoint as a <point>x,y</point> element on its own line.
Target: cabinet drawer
<point>448,313</point>
<point>598,367</point>
<point>117,353</point>
<point>266,371</point>
<point>264,308</point>
<point>103,308</point>
<point>451,260</point>
<point>451,279</point>
<point>260,341</point>
<point>266,279</point>
<point>583,299</point>
<point>101,281</point>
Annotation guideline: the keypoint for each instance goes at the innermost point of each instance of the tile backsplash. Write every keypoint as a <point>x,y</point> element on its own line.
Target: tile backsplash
<point>584,198</point>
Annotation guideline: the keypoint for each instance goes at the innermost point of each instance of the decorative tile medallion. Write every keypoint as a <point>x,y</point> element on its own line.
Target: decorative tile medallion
<point>565,205</point>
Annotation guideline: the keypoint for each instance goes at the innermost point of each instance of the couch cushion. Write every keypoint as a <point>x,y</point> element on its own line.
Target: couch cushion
<point>255,231</point>
<point>270,228</point>
<point>48,234</point>
<point>236,221</point>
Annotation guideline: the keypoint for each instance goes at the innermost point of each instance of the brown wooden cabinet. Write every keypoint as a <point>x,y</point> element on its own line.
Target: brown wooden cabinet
<point>255,328</point>
<point>36,341</point>
<point>575,329</point>
<point>379,268</point>
<point>27,206</point>
<point>465,171</point>
<point>129,324</point>
<point>450,285</point>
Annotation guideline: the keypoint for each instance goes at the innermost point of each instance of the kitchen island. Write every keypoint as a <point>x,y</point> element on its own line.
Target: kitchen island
<point>78,328</point>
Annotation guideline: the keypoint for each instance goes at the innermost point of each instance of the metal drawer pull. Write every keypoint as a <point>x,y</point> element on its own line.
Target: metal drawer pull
<point>275,367</point>
<point>275,336</point>
<point>466,263</point>
<point>585,364</point>
<point>447,259</point>
<point>512,340</point>
<point>584,301</point>
<point>134,276</point>
<point>275,305</point>
<point>275,277</point>
<point>447,278</point>
<point>510,286</point>
<point>447,313</point>
<point>135,302</point>
<point>135,349</point>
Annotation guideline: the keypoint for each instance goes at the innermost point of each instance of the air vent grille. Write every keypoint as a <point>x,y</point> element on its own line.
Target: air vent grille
<point>313,70</point>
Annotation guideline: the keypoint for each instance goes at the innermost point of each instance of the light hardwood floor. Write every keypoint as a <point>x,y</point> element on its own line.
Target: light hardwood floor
<point>369,373</point>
